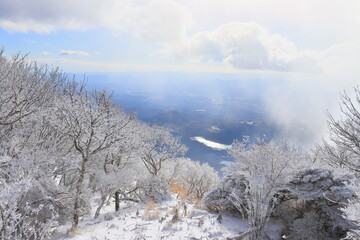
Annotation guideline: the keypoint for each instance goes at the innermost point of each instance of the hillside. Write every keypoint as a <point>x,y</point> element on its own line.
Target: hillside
<point>172,219</point>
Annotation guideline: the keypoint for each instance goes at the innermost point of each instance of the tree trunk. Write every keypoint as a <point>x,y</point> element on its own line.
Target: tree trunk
<point>117,201</point>
<point>79,186</point>
<point>103,201</point>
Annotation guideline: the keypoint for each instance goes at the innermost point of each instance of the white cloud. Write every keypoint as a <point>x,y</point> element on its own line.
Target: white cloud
<point>48,16</point>
<point>73,53</point>
<point>320,21</point>
<point>246,46</point>
<point>150,20</point>
<point>160,21</point>
<point>47,53</point>
<point>342,60</point>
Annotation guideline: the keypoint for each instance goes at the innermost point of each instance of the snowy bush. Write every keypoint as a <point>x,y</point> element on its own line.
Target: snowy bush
<point>219,199</point>
<point>308,201</point>
<point>196,178</point>
<point>153,188</point>
<point>311,205</point>
<point>29,208</point>
<point>267,167</point>
<point>352,210</point>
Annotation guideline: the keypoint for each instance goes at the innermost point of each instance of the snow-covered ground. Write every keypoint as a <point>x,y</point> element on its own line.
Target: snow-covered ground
<point>173,219</point>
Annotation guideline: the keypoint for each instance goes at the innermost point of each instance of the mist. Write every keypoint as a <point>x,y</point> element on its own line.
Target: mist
<point>300,105</point>
<point>296,103</point>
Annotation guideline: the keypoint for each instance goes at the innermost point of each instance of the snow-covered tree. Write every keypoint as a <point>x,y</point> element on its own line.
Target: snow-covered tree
<point>31,202</point>
<point>267,167</point>
<point>29,206</point>
<point>24,87</point>
<point>343,147</point>
<point>93,125</point>
<point>116,173</point>
<point>352,210</point>
<point>196,178</point>
<point>159,145</point>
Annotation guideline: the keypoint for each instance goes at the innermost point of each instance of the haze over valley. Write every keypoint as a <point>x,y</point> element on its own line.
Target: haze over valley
<point>200,108</point>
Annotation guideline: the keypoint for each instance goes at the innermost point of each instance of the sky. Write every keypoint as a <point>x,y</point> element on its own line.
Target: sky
<point>313,44</point>
<point>181,35</point>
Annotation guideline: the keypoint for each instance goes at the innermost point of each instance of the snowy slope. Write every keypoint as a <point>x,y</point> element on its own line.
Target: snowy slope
<point>173,219</point>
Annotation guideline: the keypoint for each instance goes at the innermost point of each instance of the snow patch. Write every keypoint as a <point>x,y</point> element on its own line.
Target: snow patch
<point>211,144</point>
<point>226,163</point>
<point>173,219</point>
<point>214,129</point>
